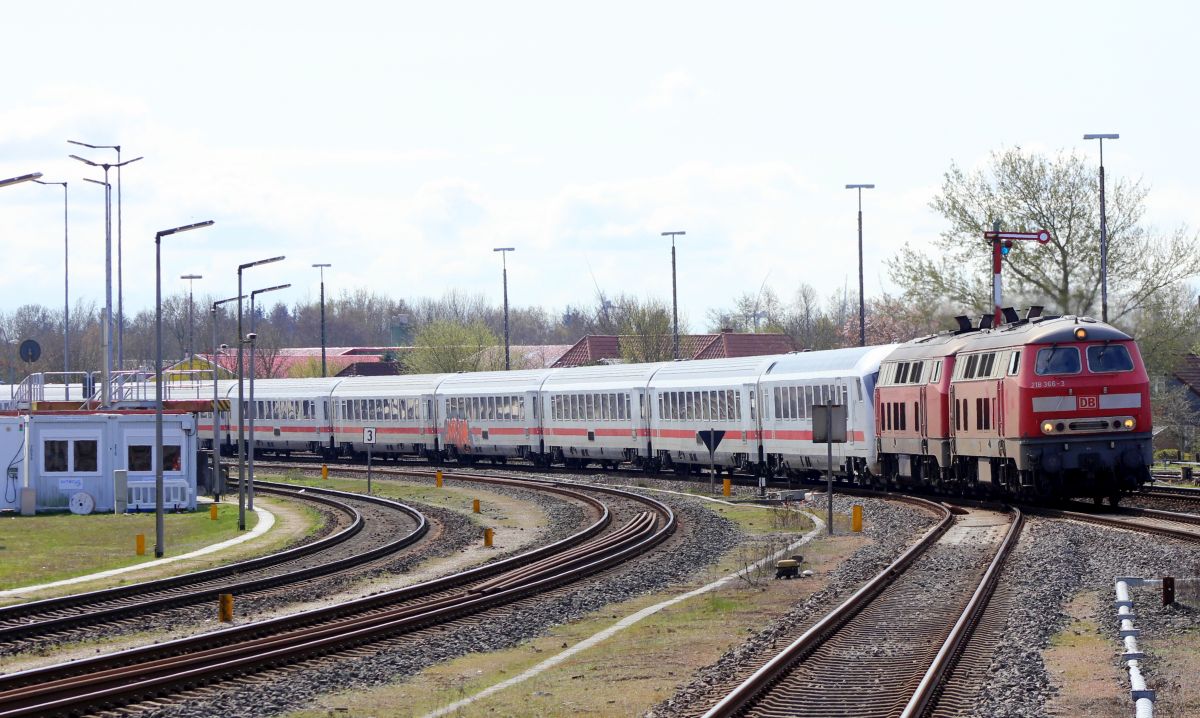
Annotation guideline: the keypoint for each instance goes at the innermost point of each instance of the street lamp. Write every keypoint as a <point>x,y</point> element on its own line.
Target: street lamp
<point>66,295</point>
<point>862,303</point>
<point>216,444</point>
<point>674,301</point>
<point>1103,227</point>
<point>191,322</point>
<point>504,263</point>
<point>158,380</point>
<point>120,272</point>
<point>18,180</point>
<point>107,333</point>
<point>321,268</point>
<point>252,409</point>
<point>241,395</point>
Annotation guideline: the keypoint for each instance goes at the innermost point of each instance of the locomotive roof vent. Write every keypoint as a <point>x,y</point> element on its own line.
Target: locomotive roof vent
<point>985,321</point>
<point>964,324</point>
<point>1010,315</point>
<point>1034,312</point>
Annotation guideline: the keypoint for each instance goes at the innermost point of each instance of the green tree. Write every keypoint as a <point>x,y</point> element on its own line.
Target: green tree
<point>449,346</point>
<point>1027,191</point>
<point>646,328</point>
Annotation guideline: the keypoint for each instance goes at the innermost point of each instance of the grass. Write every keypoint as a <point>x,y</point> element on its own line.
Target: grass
<point>52,547</point>
<point>630,672</point>
<point>454,495</point>
<point>1080,662</point>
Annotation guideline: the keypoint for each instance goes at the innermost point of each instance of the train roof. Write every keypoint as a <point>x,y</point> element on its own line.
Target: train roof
<point>855,361</point>
<point>287,388</point>
<point>712,371</point>
<point>585,378</point>
<point>932,346</point>
<point>405,384</point>
<point>1056,330</point>
<point>493,382</point>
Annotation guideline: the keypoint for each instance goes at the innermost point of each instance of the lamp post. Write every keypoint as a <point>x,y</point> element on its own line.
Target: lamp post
<point>106,338</point>
<point>158,380</point>
<point>241,395</point>
<point>1103,226</point>
<point>191,321</point>
<point>321,268</point>
<point>20,179</point>
<point>66,294</point>
<point>862,302</point>
<point>252,409</point>
<point>504,263</point>
<point>674,300</point>
<point>120,273</point>
<point>216,444</point>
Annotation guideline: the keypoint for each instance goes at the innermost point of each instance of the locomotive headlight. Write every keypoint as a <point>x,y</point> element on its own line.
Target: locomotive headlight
<point>1047,427</point>
<point>1081,334</point>
<point>1130,423</point>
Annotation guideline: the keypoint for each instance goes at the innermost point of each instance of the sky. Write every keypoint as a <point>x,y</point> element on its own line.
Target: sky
<point>403,141</point>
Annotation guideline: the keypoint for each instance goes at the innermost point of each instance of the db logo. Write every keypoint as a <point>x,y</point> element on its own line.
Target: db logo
<point>1089,402</point>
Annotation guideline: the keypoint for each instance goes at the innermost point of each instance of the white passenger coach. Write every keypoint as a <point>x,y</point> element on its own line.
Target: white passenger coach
<point>645,414</point>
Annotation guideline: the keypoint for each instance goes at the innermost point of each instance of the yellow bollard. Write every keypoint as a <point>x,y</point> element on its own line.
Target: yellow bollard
<point>141,544</point>
<point>438,476</point>
<point>324,472</point>
<point>225,607</point>
<point>727,487</point>
<point>856,518</point>
<point>212,511</point>
<point>475,506</point>
<point>488,534</point>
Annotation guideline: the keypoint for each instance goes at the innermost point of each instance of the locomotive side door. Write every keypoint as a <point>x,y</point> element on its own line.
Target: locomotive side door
<point>923,408</point>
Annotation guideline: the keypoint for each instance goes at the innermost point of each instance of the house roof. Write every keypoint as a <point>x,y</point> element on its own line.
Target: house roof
<point>1188,372</point>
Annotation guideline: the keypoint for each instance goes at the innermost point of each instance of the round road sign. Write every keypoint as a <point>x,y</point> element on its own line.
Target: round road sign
<point>30,351</point>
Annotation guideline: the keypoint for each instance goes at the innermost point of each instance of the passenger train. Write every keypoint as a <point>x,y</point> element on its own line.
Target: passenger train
<point>1034,407</point>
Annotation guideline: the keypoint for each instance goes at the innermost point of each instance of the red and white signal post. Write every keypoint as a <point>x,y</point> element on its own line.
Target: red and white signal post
<point>1002,242</point>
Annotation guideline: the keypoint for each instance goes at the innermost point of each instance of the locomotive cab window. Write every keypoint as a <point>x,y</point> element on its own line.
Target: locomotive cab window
<point>1057,360</point>
<point>1109,358</point>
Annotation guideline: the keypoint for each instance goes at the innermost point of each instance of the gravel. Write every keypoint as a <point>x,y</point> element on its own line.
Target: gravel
<point>701,539</point>
<point>1055,560</point>
<point>893,527</point>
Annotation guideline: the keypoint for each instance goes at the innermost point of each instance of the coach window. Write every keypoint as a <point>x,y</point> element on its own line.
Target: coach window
<point>1109,358</point>
<point>1057,360</point>
<point>1014,363</point>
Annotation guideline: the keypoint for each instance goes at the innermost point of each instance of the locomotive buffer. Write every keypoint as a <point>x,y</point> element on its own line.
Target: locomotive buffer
<point>829,428</point>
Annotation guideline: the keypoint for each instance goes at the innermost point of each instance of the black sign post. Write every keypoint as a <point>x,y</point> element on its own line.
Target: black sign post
<point>711,439</point>
<point>829,427</point>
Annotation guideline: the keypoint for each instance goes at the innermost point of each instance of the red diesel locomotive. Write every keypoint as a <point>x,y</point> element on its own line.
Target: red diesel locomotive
<point>1036,407</point>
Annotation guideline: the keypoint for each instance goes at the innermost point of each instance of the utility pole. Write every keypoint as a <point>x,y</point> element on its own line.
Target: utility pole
<point>504,263</point>
<point>862,302</point>
<point>674,296</point>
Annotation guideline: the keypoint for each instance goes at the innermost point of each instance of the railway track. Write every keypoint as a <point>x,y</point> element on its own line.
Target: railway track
<point>155,673</point>
<point>1172,524</point>
<point>370,529</point>
<point>887,650</point>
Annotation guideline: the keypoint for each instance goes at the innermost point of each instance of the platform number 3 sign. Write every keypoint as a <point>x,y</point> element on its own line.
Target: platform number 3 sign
<point>369,435</point>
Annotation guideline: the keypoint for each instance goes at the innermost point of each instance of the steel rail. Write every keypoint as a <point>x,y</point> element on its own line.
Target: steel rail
<point>774,669</point>
<point>98,614</point>
<point>939,669</point>
<point>159,674</point>
<point>1111,522</point>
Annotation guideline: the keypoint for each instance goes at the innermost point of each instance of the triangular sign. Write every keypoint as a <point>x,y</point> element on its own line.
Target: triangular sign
<point>711,439</point>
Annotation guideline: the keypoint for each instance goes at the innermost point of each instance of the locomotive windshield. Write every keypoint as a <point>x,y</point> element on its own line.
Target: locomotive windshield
<point>1057,360</point>
<point>1109,357</point>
